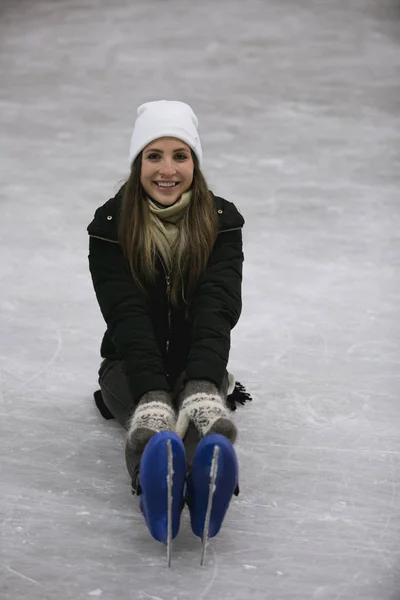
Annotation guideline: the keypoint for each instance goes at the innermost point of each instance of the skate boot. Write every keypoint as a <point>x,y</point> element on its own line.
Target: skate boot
<point>162,478</point>
<point>210,485</point>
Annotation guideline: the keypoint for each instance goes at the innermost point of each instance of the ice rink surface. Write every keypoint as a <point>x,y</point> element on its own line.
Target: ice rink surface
<point>299,110</point>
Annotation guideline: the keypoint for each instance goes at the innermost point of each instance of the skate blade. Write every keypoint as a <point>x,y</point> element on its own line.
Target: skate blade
<point>169,510</point>
<point>213,477</point>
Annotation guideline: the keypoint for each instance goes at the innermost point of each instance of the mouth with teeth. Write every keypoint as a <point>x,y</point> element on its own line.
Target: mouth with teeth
<point>166,185</point>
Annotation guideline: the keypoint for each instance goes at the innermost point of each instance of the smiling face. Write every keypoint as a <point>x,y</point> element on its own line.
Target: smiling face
<point>167,170</point>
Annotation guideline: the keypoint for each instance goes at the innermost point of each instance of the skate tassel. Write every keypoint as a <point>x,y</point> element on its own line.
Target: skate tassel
<point>238,396</point>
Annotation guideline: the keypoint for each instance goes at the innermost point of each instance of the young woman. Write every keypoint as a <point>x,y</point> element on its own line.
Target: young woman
<point>166,263</point>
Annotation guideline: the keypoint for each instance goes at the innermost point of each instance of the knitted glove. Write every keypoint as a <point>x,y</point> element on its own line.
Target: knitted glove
<point>202,404</point>
<point>154,413</point>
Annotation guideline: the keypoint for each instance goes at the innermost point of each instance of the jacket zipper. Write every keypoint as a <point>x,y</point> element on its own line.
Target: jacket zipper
<point>168,290</point>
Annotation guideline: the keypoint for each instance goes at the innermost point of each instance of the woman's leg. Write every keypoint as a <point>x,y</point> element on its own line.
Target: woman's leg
<point>115,391</point>
<point>118,399</point>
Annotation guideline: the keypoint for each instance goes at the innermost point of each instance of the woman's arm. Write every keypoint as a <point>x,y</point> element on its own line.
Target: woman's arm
<point>124,309</point>
<point>216,308</point>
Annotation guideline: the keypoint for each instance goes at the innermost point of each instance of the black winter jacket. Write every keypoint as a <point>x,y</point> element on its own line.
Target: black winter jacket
<point>156,341</point>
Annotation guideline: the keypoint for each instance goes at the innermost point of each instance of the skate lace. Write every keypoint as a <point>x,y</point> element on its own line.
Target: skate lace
<point>135,485</point>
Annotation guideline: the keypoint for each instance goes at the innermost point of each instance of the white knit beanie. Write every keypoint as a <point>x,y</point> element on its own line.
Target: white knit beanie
<point>164,118</point>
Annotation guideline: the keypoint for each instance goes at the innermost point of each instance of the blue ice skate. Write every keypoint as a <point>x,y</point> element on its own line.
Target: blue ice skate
<point>211,484</point>
<point>162,479</point>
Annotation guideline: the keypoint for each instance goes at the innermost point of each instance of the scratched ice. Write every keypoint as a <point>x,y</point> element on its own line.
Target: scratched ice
<point>299,113</point>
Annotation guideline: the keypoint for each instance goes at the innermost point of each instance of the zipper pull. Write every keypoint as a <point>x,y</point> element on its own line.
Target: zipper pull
<point>168,290</point>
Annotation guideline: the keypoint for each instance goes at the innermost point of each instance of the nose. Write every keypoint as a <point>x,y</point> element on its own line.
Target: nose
<point>167,167</point>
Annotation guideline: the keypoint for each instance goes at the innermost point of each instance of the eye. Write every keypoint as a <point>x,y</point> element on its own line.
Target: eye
<point>153,156</point>
<point>181,156</point>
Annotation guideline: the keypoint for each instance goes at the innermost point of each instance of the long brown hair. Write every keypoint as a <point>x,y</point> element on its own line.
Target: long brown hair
<point>190,253</point>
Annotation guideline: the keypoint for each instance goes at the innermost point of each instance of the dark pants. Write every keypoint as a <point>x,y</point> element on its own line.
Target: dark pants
<point>115,391</point>
<point>118,399</point>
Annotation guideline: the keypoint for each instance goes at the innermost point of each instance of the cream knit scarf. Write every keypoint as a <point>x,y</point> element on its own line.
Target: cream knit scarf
<point>164,222</point>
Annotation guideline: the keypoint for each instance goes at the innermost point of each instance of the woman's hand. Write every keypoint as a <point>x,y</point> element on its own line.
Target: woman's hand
<point>154,413</point>
<point>201,403</point>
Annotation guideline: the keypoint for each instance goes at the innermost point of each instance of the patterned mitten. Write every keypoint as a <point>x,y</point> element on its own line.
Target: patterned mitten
<point>154,413</point>
<point>202,404</point>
